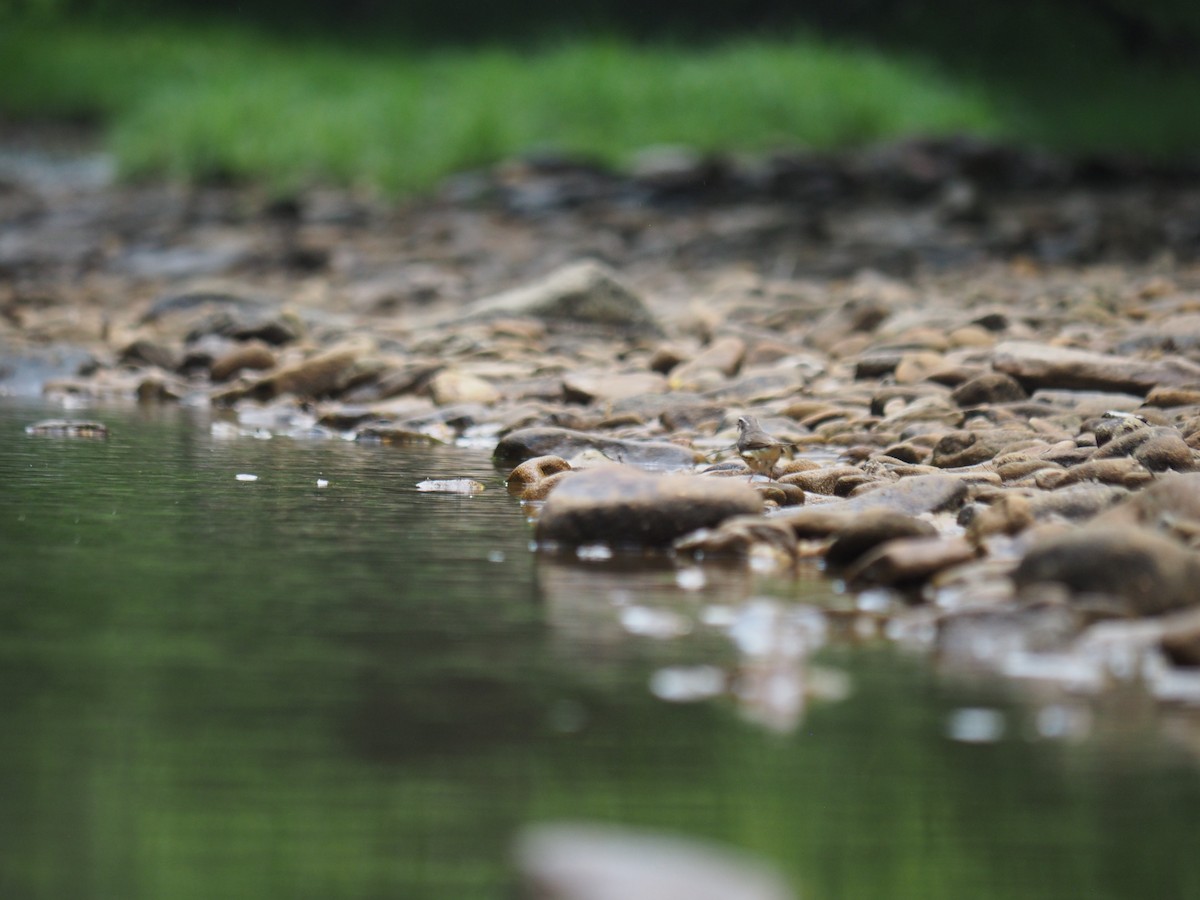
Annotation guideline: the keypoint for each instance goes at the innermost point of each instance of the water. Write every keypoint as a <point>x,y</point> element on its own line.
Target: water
<point>266,689</point>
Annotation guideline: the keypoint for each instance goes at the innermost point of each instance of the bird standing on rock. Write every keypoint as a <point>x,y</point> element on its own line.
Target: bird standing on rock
<point>759,450</point>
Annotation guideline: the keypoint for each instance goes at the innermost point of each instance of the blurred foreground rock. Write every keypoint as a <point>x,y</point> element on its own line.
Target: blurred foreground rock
<point>561,861</point>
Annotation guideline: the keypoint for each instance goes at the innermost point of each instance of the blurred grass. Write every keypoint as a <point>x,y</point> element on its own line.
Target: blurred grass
<point>216,101</point>
<point>210,102</point>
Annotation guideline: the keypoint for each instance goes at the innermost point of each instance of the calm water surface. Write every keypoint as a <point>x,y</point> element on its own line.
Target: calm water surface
<point>222,688</point>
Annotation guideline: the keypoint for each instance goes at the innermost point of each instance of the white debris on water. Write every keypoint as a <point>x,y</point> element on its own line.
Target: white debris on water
<point>450,485</point>
<point>975,725</point>
<point>245,476</point>
<point>322,483</point>
<point>687,684</point>
<point>662,624</point>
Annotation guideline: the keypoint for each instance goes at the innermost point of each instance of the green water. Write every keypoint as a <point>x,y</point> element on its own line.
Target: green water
<point>224,689</point>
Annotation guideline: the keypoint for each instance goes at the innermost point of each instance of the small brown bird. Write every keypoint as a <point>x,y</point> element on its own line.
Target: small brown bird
<point>759,450</point>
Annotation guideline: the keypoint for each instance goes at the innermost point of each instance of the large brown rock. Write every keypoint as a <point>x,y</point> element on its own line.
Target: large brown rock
<point>1151,573</point>
<point>621,505</point>
<point>1045,366</point>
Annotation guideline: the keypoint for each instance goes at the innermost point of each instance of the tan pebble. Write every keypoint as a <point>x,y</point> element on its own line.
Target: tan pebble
<point>450,387</point>
<point>534,470</point>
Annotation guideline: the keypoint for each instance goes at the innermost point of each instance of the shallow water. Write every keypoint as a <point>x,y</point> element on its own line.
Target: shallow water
<point>216,687</point>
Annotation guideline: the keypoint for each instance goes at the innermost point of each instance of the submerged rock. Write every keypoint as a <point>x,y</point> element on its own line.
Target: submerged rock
<point>621,505</point>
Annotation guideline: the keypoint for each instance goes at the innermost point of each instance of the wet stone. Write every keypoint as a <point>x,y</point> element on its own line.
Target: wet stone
<point>910,560</point>
<point>624,506</point>
<point>1151,573</point>
<point>526,443</point>
<point>870,529</point>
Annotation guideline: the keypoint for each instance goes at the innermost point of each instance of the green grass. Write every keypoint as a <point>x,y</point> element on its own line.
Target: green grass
<point>215,101</point>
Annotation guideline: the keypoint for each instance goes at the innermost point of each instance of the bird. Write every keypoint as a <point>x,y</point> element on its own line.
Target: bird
<point>759,450</point>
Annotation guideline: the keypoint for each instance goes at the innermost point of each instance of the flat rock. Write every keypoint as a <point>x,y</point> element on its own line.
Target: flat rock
<point>910,560</point>
<point>1151,573</point>
<point>611,387</point>
<point>587,293</point>
<point>1045,366</point>
<point>910,496</point>
<point>527,443</point>
<point>869,530</point>
<point>621,505</point>
<point>561,861</point>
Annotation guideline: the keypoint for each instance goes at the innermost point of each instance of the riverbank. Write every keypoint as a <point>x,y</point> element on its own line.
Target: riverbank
<point>1004,341</point>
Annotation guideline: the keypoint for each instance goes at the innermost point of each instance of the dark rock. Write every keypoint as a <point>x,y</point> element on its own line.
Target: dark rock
<point>526,443</point>
<point>143,352</point>
<point>991,387</point>
<point>621,505</point>
<point>869,530</point>
<point>1151,573</point>
<point>591,862</point>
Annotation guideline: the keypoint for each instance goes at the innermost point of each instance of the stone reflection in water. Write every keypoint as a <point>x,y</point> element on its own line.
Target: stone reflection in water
<point>703,632</point>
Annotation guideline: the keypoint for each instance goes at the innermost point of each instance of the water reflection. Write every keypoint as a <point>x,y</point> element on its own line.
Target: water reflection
<point>269,689</point>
